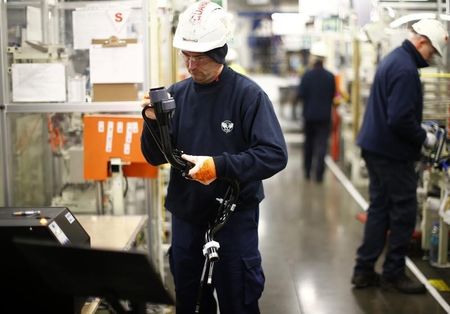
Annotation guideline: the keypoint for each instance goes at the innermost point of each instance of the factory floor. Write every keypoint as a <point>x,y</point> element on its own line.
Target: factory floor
<point>309,234</point>
<point>308,238</point>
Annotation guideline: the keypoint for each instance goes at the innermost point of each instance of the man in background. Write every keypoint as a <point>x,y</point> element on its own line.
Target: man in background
<point>316,90</point>
<point>390,139</point>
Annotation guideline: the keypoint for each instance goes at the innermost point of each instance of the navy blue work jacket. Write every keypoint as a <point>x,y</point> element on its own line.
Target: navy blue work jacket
<point>391,125</point>
<point>232,120</point>
<point>317,89</point>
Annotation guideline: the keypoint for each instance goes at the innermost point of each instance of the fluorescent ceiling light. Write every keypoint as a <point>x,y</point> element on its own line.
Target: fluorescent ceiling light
<point>288,23</point>
<point>282,16</point>
<point>415,17</point>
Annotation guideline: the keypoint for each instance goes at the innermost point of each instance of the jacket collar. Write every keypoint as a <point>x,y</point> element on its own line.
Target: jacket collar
<point>417,57</point>
<point>223,77</point>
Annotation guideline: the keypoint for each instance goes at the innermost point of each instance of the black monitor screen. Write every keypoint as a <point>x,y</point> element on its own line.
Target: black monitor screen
<point>21,284</point>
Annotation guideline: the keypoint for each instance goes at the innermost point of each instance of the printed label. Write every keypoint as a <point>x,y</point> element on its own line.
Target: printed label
<point>109,136</point>
<point>69,218</point>
<point>126,148</point>
<point>101,126</point>
<point>120,127</point>
<point>59,234</point>
<point>135,127</point>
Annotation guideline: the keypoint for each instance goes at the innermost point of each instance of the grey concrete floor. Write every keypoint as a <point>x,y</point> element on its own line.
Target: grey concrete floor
<point>308,239</point>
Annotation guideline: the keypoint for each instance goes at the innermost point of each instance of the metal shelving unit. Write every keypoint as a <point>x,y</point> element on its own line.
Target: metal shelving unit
<point>31,171</point>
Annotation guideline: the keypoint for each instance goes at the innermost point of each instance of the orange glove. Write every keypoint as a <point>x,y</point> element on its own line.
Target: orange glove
<point>204,170</point>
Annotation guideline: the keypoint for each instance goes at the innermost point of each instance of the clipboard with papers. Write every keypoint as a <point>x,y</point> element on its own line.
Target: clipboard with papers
<point>114,60</point>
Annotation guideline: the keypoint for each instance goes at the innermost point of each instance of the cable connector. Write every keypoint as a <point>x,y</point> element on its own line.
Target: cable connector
<point>210,250</point>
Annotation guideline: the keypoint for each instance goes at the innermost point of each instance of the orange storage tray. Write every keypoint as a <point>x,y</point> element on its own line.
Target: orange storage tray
<point>114,136</point>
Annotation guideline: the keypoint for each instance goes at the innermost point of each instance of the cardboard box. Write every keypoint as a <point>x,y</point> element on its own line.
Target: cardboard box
<point>115,92</point>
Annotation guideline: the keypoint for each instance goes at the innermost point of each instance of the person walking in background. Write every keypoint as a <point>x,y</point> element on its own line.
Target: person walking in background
<point>390,139</point>
<point>227,124</point>
<point>316,90</point>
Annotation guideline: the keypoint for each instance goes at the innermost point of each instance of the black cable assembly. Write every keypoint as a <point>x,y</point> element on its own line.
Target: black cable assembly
<point>226,207</point>
<point>164,106</point>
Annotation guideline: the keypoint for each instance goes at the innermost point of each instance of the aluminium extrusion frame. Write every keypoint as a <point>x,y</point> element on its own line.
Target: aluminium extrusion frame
<point>4,95</point>
<point>7,106</point>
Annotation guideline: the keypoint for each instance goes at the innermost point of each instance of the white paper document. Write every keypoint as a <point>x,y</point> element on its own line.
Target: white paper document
<point>116,64</point>
<point>38,82</point>
<point>34,24</point>
<point>96,23</point>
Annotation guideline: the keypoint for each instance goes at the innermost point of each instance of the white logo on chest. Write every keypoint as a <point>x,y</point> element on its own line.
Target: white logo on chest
<point>227,126</point>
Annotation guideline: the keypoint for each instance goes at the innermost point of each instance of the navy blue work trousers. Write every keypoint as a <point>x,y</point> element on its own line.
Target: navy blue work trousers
<point>315,147</point>
<point>393,208</point>
<point>238,277</point>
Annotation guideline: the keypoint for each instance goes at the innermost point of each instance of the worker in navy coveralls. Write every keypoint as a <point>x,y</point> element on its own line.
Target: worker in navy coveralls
<point>391,137</point>
<point>316,90</point>
<point>227,127</point>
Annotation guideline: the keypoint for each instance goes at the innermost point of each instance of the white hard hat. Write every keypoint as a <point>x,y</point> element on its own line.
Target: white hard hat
<point>202,27</point>
<point>319,49</point>
<point>434,30</point>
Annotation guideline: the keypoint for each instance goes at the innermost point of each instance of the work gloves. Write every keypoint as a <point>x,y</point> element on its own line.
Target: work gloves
<point>204,170</point>
<point>430,140</point>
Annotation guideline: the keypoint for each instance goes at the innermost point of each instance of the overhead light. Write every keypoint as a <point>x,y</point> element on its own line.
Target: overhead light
<point>288,23</point>
<point>415,17</point>
<point>282,16</point>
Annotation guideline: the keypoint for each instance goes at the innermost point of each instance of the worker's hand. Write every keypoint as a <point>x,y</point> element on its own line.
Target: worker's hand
<point>149,112</point>
<point>204,170</point>
<point>430,140</point>
<point>427,126</point>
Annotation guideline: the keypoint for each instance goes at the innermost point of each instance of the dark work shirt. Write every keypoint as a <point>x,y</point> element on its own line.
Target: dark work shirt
<point>232,120</point>
<point>317,89</point>
<point>391,125</point>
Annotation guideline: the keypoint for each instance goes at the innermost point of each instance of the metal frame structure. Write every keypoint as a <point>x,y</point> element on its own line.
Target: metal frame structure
<point>7,107</point>
<point>150,34</point>
<point>4,96</point>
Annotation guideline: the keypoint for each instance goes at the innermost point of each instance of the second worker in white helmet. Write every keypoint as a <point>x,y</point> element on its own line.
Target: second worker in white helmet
<point>390,139</point>
<point>227,127</point>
